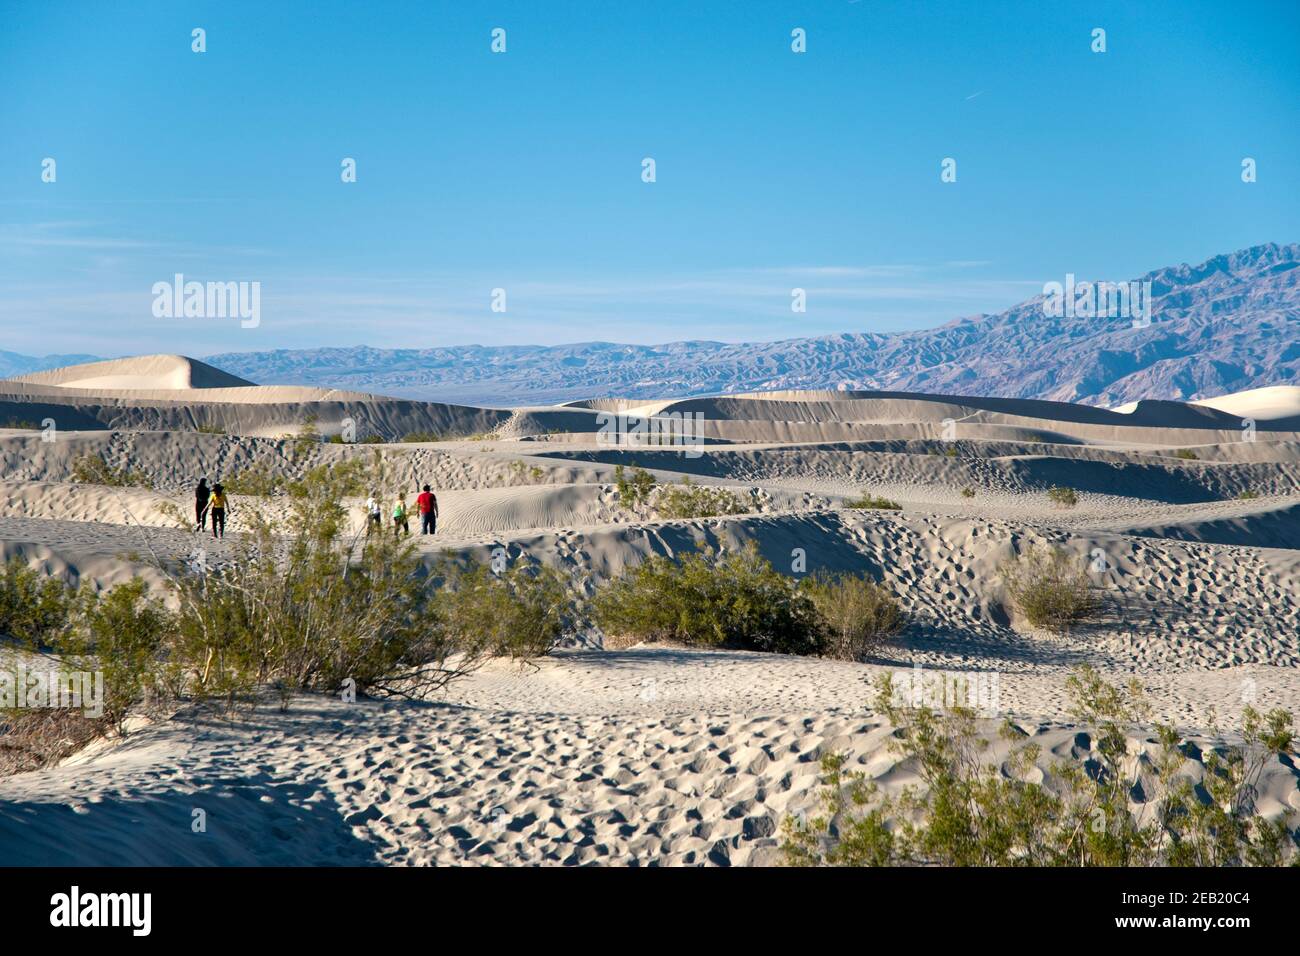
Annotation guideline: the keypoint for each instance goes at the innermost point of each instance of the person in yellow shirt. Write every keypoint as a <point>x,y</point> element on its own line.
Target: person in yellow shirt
<point>217,506</point>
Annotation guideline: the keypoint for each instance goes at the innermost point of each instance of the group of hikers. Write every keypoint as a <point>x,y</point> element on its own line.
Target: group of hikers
<point>213,502</point>
<point>426,504</point>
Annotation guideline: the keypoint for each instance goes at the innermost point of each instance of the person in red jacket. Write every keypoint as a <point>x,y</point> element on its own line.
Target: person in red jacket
<point>427,502</point>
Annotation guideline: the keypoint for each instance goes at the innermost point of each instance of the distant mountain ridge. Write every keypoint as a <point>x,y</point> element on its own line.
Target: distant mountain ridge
<point>13,364</point>
<point>1226,325</point>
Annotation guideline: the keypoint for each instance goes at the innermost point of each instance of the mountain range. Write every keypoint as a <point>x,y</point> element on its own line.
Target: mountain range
<point>1228,324</point>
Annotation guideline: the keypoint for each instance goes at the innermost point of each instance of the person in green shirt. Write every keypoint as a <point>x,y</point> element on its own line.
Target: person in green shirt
<point>400,520</point>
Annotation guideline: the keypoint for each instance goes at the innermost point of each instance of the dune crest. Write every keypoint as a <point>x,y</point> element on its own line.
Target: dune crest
<point>142,372</point>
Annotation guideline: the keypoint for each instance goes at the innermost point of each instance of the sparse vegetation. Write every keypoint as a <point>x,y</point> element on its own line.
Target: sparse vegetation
<point>209,429</point>
<point>20,424</point>
<point>522,472</point>
<point>414,437</point>
<point>857,615</point>
<point>1062,496</point>
<point>91,469</point>
<point>972,811</point>
<point>308,439</point>
<point>520,612</point>
<point>1186,454</point>
<point>689,500</point>
<point>968,492</point>
<point>1247,495</point>
<point>120,633</point>
<point>1049,587</point>
<point>34,738</point>
<point>34,608</point>
<point>869,501</point>
<point>736,600</point>
<point>740,600</point>
<point>256,481</point>
<point>315,610</point>
<point>634,490</point>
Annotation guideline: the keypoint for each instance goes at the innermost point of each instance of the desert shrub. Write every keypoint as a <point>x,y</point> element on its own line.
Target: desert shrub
<point>256,481</point>
<point>736,600</point>
<point>523,472</point>
<point>872,501</point>
<point>856,615</point>
<point>317,609</point>
<point>308,440</point>
<point>306,615</point>
<point>208,429</point>
<point>519,613</point>
<point>1247,495</point>
<point>91,469</point>
<point>968,492</point>
<point>178,518</point>
<point>120,633</point>
<point>689,500</point>
<point>1062,496</point>
<point>971,811</point>
<point>21,424</point>
<point>634,490</point>
<point>1049,587</point>
<point>34,608</point>
<point>326,483</point>
<point>421,437</point>
<point>33,738</point>
<point>1186,454</point>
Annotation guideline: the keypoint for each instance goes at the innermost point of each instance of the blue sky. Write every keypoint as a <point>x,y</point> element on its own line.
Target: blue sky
<point>522,170</point>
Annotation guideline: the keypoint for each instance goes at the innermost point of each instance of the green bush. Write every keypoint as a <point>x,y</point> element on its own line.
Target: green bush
<point>121,634</point>
<point>689,500</point>
<point>523,472</point>
<point>318,608</point>
<point>968,492</point>
<point>872,501</point>
<point>972,811</point>
<point>91,469</point>
<point>1065,497</point>
<point>737,600</point>
<point>1186,454</point>
<point>256,481</point>
<point>857,616</point>
<point>34,608</point>
<point>1049,587</point>
<point>421,437</point>
<point>519,613</point>
<point>633,491</point>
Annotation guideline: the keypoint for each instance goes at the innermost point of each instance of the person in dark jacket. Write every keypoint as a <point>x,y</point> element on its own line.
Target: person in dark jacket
<point>202,494</point>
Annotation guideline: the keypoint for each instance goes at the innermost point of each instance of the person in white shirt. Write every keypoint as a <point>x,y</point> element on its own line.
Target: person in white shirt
<point>374,515</point>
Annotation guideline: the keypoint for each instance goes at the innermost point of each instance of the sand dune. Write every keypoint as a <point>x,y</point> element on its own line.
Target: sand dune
<point>655,755</point>
<point>146,372</point>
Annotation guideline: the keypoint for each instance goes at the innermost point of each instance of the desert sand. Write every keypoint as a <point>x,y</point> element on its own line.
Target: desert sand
<point>649,754</point>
